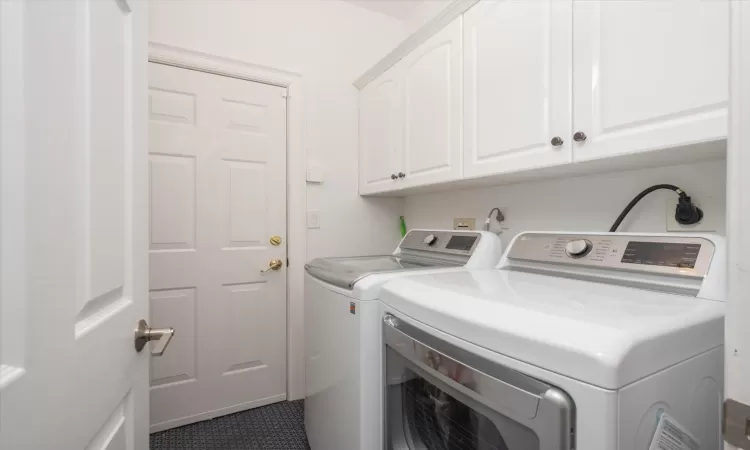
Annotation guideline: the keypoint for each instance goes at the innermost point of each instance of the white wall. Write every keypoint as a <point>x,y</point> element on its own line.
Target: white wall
<point>414,13</point>
<point>425,11</point>
<point>330,43</point>
<point>578,204</point>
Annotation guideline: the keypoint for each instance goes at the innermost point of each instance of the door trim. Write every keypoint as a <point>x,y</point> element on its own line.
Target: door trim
<point>13,193</point>
<point>296,183</point>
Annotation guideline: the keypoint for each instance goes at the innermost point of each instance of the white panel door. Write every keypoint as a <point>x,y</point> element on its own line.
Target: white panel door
<point>217,148</point>
<point>80,263</point>
<point>517,85</point>
<point>380,132</point>
<point>432,109</point>
<point>649,74</point>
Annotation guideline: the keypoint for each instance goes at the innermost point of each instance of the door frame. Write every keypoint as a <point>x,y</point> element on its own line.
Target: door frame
<point>13,307</point>
<point>736,367</point>
<point>296,202</point>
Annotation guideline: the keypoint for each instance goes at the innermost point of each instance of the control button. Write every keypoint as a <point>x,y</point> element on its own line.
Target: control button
<point>430,239</point>
<point>578,248</point>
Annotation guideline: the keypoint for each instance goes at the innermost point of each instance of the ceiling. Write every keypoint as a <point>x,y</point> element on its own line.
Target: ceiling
<point>406,10</point>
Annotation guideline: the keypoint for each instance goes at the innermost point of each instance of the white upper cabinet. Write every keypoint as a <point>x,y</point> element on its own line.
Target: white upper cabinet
<point>517,85</point>
<point>514,86</point>
<point>648,75</point>
<point>380,133</point>
<point>432,110</point>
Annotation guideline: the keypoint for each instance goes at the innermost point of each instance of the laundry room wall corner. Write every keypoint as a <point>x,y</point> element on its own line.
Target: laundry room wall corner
<point>303,38</point>
<point>585,203</point>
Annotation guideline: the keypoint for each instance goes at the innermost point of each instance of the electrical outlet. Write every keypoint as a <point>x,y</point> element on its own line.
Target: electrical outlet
<point>498,226</point>
<point>709,223</point>
<point>464,223</point>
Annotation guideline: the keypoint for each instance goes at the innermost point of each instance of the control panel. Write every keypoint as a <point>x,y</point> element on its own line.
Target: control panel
<point>682,256</point>
<point>455,243</point>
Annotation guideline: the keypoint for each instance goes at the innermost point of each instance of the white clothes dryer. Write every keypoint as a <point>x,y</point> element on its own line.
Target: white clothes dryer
<point>577,340</point>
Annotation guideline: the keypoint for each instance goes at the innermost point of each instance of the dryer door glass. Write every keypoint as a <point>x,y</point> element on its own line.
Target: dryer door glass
<point>442,397</point>
<point>425,414</point>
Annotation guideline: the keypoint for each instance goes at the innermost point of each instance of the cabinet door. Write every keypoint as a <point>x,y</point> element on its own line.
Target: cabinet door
<point>380,133</point>
<point>649,74</point>
<point>517,83</point>
<point>432,102</point>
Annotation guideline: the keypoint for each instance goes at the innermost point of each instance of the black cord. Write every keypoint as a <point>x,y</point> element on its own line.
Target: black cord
<point>499,218</point>
<point>686,213</point>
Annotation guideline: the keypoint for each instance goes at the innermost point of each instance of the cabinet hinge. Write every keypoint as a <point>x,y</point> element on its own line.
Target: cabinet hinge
<point>736,424</point>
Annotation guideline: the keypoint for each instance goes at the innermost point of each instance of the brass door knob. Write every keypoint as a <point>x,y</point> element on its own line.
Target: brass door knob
<point>274,264</point>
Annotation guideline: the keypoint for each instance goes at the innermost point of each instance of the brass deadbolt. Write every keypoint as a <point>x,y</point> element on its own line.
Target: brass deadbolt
<point>275,240</point>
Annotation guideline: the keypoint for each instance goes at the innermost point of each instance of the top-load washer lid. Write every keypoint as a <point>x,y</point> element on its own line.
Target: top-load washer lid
<point>419,249</point>
<point>345,272</point>
<point>591,320</point>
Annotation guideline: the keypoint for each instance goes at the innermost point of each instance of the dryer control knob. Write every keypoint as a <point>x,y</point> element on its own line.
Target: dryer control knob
<point>578,248</point>
<point>430,239</point>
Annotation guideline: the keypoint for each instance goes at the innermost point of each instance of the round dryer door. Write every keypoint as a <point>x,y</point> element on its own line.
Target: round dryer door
<point>440,397</point>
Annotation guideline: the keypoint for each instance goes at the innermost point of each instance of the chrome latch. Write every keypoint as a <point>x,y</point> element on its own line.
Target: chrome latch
<point>144,334</point>
<point>736,424</point>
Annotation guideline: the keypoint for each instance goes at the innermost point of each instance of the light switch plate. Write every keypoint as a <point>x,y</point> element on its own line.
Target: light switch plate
<point>711,215</point>
<point>464,223</point>
<point>313,219</point>
<point>314,173</point>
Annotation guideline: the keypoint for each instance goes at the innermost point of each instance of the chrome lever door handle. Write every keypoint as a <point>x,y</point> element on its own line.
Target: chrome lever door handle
<point>144,334</point>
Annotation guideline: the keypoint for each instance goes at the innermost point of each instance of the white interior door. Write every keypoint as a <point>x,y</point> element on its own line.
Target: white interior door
<point>737,345</point>
<point>217,152</point>
<point>517,85</point>
<point>648,74</point>
<point>74,261</point>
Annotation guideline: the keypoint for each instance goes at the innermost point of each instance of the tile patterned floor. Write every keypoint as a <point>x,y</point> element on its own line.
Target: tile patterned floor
<point>280,426</point>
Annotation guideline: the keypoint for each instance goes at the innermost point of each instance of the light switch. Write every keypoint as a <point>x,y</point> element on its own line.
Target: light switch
<point>314,173</point>
<point>313,219</point>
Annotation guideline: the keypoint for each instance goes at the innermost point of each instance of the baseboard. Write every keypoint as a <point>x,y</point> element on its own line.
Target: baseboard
<point>216,413</point>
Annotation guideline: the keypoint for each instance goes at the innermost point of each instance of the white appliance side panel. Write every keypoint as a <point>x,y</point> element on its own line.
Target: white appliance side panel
<point>596,408</point>
<point>331,368</point>
<point>371,369</point>
<point>690,392</point>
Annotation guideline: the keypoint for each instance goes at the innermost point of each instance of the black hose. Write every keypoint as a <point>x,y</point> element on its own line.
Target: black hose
<point>639,197</point>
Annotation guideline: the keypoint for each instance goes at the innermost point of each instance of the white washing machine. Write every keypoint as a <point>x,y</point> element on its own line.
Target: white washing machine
<point>343,342</point>
<point>584,341</point>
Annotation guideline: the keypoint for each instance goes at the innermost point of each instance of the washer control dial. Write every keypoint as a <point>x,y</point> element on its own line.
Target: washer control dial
<point>578,248</point>
<point>430,239</point>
